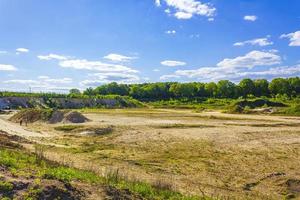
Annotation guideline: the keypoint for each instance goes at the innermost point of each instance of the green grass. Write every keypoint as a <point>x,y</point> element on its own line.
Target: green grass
<point>5,186</point>
<point>68,128</point>
<point>25,164</point>
<point>293,110</point>
<point>196,103</point>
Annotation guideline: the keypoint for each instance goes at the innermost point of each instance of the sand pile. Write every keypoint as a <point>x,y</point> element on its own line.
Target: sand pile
<point>31,115</point>
<point>74,117</point>
<point>56,117</point>
<point>50,116</point>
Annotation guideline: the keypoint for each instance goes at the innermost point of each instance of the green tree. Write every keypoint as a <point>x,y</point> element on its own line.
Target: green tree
<point>246,87</point>
<point>89,91</point>
<point>261,87</point>
<point>226,89</point>
<point>211,89</point>
<point>280,86</point>
<point>183,89</point>
<point>75,91</point>
<point>295,85</point>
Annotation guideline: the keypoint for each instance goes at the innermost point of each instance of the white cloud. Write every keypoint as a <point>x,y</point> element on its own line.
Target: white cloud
<point>183,15</point>
<point>52,56</point>
<point>22,50</point>
<point>42,80</point>
<point>101,78</point>
<point>3,52</point>
<point>173,63</point>
<point>58,81</point>
<point>95,66</point>
<point>21,81</point>
<point>156,70</point>
<point>275,71</point>
<point>237,67</point>
<point>258,41</point>
<point>157,3</point>
<point>43,77</point>
<point>211,19</point>
<point>4,67</point>
<point>250,18</point>
<point>186,9</point>
<point>118,58</point>
<point>171,32</point>
<point>294,38</point>
<point>252,59</point>
<point>168,11</point>
<point>169,77</point>
<point>43,83</point>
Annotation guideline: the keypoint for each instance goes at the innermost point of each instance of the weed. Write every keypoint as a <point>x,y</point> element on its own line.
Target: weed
<point>6,186</point>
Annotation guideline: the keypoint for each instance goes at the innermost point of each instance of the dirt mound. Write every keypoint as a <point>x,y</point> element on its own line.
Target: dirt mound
<point>74,117</point>
<point>32,115</point>
<point>58,190</point>
<point>124,194</point>
<point>57,116</point>
<point>53,117</point>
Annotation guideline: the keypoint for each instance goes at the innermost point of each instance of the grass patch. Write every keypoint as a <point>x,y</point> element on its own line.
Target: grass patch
<point>5,186</point>
<point>22,164</point>
<point>166,126</point>
<point>68,128</point>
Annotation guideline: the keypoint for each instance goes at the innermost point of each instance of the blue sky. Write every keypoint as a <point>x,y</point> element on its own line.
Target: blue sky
<point>55,45</point>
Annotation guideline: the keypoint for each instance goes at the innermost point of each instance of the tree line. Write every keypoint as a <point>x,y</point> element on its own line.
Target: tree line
<point>222,89</point>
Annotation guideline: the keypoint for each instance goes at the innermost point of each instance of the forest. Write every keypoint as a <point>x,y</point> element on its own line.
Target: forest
<point>289,87</point>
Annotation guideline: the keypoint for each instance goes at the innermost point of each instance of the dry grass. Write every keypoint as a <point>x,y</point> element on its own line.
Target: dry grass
<point>227,156</point>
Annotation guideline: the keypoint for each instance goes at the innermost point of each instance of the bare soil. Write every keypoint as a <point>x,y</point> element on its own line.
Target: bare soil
<point>216,154</point>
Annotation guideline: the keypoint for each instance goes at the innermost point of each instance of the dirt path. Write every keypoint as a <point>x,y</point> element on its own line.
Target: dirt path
<point>15,129</point>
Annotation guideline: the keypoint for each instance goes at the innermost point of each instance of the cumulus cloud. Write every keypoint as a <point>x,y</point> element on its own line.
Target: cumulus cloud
<point>294,38</point>
<point>104,72</point>
<point>173,63</point>
<point>58,81</point>
<point>275,72</point>
<point>95,66</point>
<point>41,80</point>
<point>43,83</point>
<point>22,81</point>
<point>4,67</point>
<point>235,68</point>
<point>258,41</point>
<point>186,9</point>
<point>251,59</point>
<point>22,50</point>
<point>169,77</point>
<point>250,18</point>
<point>100,78</point>
<point>118,58</point>
<point>52,56</point>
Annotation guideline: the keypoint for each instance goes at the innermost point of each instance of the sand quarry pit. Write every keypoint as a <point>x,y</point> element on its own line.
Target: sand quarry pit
<point>220,155</point>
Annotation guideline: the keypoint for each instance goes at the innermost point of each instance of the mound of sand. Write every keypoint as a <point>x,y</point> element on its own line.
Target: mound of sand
<point>56,117</point>
<point>31,115</point>
<point>53,117</point>
<point>74,117</point>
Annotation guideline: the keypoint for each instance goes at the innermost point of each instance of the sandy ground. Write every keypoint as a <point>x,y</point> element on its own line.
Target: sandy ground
<point>15,129</point>
<point>212,153</point>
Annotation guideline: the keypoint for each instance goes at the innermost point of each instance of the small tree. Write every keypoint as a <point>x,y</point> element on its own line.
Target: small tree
<point>74,91</point>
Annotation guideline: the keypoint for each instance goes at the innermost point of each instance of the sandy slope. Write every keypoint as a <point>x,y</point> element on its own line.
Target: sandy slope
<point>15,129</point>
